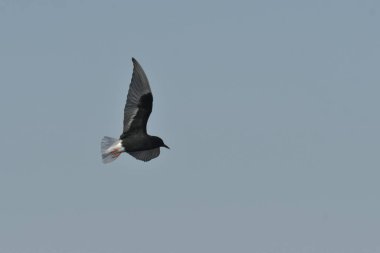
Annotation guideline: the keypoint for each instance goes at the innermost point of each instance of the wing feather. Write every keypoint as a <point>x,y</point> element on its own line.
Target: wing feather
<point>139,101</point>
<point>146,155</point>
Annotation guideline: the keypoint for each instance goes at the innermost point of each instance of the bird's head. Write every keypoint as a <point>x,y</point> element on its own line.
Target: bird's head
<point>160,142</point>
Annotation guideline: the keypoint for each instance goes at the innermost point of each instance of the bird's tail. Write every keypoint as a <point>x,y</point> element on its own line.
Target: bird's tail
<point>111,148</point>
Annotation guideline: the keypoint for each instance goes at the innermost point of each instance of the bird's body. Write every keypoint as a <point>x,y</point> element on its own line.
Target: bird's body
<point>135,140</point>
<point>140,142</point>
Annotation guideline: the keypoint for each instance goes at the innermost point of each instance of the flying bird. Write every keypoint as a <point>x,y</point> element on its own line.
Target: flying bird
<point>134,140</point>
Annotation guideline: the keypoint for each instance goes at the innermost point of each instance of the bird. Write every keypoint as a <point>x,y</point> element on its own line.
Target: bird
<point>134,139</point>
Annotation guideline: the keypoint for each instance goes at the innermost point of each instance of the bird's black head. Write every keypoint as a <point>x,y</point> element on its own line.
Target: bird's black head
<point>160,142</point>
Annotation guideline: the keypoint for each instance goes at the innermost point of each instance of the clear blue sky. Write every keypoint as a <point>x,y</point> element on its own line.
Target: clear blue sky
<point>271,110</point>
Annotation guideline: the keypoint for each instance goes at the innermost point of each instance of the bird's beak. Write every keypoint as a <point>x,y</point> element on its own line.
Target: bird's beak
<point>165,146</point>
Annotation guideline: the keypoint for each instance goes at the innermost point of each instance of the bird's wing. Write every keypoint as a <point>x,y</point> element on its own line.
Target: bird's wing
<point>146,155</point>
<point>139,101</point>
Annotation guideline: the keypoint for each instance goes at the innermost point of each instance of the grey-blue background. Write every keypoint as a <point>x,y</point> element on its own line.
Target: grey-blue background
<point>271,109</point>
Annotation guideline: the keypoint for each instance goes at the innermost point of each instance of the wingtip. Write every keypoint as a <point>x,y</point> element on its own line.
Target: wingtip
<point>134,60</point>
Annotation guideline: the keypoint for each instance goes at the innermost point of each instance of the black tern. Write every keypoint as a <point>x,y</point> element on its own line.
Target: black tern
<point>135,140</point>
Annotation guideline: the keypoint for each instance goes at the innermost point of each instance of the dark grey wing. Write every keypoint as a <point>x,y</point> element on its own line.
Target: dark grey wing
<point>139,101</point>
<point>146,155</point>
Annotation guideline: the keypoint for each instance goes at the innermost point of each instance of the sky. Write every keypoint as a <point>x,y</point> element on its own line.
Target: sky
<point>270,108</point>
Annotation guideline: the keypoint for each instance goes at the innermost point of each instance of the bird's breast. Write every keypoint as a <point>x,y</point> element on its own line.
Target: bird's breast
<point>137,143</point>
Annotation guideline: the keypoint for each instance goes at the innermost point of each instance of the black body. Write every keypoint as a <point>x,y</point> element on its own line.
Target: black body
<point>141,142</point>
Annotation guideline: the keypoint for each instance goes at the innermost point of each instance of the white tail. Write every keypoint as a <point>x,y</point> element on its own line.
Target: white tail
<point>111,149</point>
